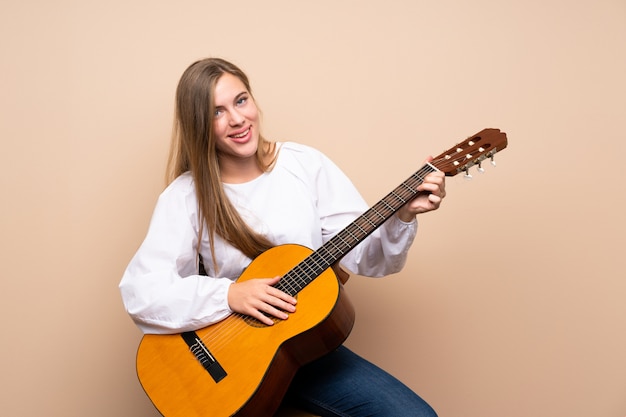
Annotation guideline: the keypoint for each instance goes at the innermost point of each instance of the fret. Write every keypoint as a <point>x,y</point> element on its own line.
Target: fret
<point>287,285</point>
<point>347,230</point>
<point>360,228</point>
<point>330,256</point>
<point>344,241</point>
<point>321,267</point>
<point>368,220</point>
<point>411,190</point>
<point>373,210</point>
<point>309,271</point>
<point>339,237</point>
<point>390,207</point>
<point>402,200</point>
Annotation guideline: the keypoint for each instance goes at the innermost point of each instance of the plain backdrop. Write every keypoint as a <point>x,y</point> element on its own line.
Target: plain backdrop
<point>513,301</point>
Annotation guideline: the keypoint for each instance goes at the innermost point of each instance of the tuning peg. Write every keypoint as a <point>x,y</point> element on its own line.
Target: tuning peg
<point>467,175</point>
<point>480,168</point>
<point>493,162</point>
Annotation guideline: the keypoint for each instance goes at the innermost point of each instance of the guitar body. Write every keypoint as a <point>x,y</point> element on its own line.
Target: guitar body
<point>259,361</point>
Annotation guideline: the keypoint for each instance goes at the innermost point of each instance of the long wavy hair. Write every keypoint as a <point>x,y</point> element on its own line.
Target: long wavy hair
<point>193,149</point>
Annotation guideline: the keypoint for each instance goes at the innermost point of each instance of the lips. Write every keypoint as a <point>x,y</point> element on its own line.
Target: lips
<point>241,135</point>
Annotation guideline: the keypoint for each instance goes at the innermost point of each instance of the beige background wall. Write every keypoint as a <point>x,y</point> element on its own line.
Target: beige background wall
<point>513,302</point>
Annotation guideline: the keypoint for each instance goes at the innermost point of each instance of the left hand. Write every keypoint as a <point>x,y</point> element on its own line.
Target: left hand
<point>431,192</point>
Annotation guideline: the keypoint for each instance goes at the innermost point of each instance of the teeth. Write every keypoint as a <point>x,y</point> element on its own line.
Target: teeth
<point>242,134</point>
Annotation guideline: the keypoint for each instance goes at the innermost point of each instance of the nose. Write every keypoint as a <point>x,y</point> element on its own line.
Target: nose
<point>236,118</point>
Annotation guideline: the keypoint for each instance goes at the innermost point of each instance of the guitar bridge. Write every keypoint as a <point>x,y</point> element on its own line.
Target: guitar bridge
<point>204,356</point>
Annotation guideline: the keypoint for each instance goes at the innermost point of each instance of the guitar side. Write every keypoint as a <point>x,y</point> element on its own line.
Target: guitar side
<point>259,361</point>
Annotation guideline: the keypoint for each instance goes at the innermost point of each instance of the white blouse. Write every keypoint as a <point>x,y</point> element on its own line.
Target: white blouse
<point>305,199</point>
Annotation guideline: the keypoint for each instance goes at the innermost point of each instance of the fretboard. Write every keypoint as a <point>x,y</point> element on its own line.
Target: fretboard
<point>344,241</point>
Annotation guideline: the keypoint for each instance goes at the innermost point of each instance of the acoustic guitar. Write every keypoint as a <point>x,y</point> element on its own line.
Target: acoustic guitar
<point>242,367</point>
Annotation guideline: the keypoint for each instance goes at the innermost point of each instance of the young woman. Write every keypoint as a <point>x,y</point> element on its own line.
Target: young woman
<point>232,194</point>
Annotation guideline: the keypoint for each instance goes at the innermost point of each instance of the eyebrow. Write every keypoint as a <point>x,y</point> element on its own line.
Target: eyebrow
<point>245,92</point>
<point>241,94</point>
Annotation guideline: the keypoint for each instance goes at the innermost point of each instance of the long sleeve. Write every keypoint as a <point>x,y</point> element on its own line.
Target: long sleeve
<point>382,253</point>
<point>160,287</point>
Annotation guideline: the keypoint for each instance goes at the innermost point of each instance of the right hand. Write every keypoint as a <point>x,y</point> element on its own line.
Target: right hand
<point>258,297</point>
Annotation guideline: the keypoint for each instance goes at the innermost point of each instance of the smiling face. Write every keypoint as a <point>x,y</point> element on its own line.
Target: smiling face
<point>236,129</point>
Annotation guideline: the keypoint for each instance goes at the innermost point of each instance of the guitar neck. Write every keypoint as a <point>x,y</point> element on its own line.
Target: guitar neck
<point>472,151</point>
<point>344,241</point>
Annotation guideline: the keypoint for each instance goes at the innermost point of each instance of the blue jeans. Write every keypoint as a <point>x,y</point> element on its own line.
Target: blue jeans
<point>342,384</point>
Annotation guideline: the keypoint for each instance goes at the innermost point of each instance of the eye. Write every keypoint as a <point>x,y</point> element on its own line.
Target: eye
<point>241,100</point>
<point>218,112</point>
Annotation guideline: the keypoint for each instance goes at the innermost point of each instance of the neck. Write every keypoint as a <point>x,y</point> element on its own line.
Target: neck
<point>239,171</point>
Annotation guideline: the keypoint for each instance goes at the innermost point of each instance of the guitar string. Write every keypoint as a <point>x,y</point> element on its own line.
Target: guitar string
<point>355,230</point>
<point>236,322</point>
<point>231,330</point>
<point>358,234</point>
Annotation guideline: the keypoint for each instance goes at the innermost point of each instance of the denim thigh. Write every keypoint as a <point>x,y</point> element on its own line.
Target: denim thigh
<point>342,384</point>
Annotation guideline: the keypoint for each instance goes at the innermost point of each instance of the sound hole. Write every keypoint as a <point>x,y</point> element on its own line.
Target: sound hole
<point>251,321</point>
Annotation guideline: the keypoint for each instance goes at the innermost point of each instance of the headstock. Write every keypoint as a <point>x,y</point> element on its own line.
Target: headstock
<point>472,151</point>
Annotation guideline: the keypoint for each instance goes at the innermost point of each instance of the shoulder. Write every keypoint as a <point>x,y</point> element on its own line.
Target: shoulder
<point>181,185</point>
<point>180,190</point>
<point>307,164</point>
<point>304,155</point>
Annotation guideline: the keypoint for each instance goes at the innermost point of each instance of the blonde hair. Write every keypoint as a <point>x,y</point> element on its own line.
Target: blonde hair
<point>193,149</point>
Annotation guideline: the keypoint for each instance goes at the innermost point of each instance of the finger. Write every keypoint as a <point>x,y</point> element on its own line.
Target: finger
<point>429,187</point>
<point>273,281</point>
<point>435,178</point>
<point>284,305</point>
<point>268,311</point>
<point>281,295</point>
<point>279,300</point>
<point>265,312</point>
<point>435,199</point>
<point>257,314</point>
